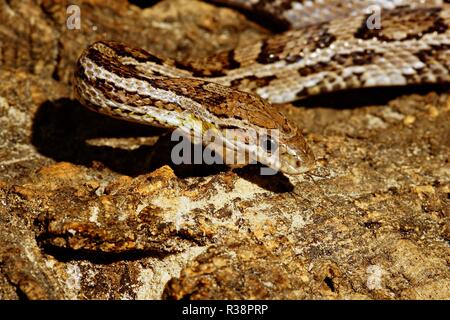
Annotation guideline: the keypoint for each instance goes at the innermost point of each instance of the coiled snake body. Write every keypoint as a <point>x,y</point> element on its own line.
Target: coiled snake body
<point>232,90</point>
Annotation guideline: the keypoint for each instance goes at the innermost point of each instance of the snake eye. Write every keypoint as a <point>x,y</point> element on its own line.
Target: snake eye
<point>269,144</point>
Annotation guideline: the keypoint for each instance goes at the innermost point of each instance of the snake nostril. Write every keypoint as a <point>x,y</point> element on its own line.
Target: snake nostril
<point>298,163</point>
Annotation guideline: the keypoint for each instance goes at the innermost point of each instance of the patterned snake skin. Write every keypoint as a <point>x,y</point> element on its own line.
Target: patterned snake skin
<point>412,46</point>
<point>295,14</point>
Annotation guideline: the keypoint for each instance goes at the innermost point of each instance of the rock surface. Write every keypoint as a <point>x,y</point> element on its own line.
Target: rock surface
<point>92,208</point>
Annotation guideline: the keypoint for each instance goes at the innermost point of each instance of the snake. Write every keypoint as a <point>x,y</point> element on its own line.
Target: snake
<point>327,47</point>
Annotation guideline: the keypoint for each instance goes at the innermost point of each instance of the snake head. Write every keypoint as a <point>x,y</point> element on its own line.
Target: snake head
<point>251,124</point>
<point>281,149</point>
<point>295,155</point>
<point>285,149</point>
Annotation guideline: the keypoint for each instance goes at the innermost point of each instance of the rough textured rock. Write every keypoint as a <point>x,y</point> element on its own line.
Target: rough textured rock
<point>92,208</point>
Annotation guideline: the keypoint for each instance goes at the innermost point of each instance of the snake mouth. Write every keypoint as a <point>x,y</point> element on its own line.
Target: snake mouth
<point>299,162</point>
<point>296,169</point>
<point>291,165</point>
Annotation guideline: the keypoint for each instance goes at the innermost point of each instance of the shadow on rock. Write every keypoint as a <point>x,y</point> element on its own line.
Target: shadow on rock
<point>361,97</point>
<point>277,183</point>
<point>61,129</point>
<point>99,257</point>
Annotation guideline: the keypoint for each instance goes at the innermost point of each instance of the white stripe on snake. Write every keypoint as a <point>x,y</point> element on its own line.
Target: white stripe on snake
<point>233,90</point>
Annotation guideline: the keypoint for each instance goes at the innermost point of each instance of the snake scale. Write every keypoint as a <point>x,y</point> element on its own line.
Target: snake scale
<point>329,47</point>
